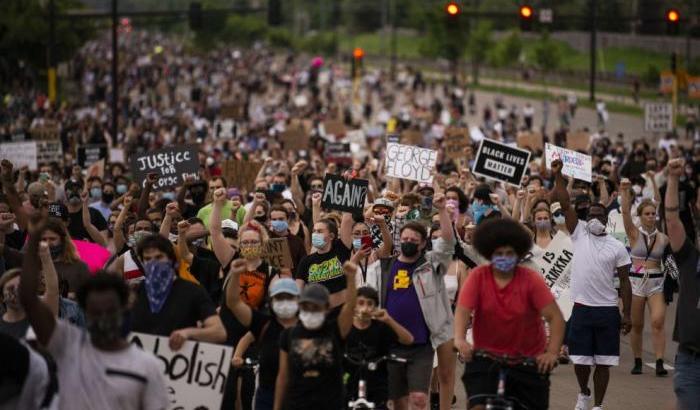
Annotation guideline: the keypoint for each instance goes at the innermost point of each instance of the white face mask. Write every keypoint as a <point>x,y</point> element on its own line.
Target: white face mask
<point>285,309</point>
<point>312,320</point>
<point>559,220</point>
<point>595,227</point>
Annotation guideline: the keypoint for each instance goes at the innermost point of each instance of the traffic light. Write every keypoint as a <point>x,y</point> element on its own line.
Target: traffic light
<point>673,18</point>
<point>195,16</point>
<point>274,12</point>
<point>526,15</point>
<point>452,9</point>
<point>358,55</point>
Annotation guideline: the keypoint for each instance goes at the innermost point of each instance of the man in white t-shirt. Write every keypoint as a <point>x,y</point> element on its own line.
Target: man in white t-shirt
<point>594,327</point>
<point>98,369</point>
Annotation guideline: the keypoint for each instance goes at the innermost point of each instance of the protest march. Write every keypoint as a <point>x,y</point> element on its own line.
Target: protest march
<point>272,230</point>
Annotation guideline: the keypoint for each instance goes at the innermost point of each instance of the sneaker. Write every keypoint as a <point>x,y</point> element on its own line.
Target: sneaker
<point>583,401</point>
<point>660,369</point>
<point>637,369</point>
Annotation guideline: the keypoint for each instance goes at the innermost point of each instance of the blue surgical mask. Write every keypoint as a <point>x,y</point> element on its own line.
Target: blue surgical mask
<point>121,189</point>
<point>96,193</point>
<point>478,210</point>
<point>504,263</point>
<point>279,226</point>
<point>170,196</point>
<point>357,243</point>
<point>318,240</point>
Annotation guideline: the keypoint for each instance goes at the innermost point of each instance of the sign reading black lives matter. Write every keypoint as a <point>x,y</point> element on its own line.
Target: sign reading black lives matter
<point>346,195</point>
<point>501,162</point>
<point>172,165</point>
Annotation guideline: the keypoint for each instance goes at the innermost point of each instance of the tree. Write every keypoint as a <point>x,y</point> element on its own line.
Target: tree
<point>446,37</point>
<point>507,51</point>
<point>479,44</point>
<point>547,55</point>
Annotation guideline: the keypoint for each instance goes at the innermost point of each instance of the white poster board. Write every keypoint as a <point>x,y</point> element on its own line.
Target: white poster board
<point>195,375</point>
<point>410,162</point>
<point>616,228</point>
<point>576,164</point>
<point>555,266</point>
<point>20,154</point>
<point>658,117</point>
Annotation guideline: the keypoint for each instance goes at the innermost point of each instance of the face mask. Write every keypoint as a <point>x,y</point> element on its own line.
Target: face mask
<point>409,249</point>
<point>105,329</point>
<point>285,309</point>
<point>56,250</point>
<point>96,193</point>
<point>318,240</point>
<point>279,226</point>
<point>278,187</point>
<point>357,244</point>
<point>595,227</point>
<point>158,282</point>
<point>437,243</point>
<point>136,237</point>
<point>582,213</point>
<point>170,196</point>
<point>198,243</point>
<point>504,263</point>
<point>543,225</point>
<point>637,190</point>
<point>11,300</point>
<point>453,203</point>
<point>121,189</point>
<point>559,220</point>
<point>108,197</point>
<point>312,320</point>
<point>74,198</point>
<point>251,251</point>
<point>478,210</point>
<point>261,219</point>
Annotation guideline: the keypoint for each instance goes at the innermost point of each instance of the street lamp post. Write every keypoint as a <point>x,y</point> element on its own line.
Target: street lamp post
<point>594,28</point>
<point>115,73</point>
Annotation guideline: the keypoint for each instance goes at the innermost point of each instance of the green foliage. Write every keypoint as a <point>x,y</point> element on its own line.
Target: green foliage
<point>446,38</point>
<point>651,75</point>
<point>480,41</point>
<point>320,43</point>
<point>24,32</point>
<point>548,56</point>
<point>280,37</point>
<point>507,51</point>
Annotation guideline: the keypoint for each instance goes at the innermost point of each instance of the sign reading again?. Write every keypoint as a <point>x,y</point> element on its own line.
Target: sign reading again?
<point>410,162</point>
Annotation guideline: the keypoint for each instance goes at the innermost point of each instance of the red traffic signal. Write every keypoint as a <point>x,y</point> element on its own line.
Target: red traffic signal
<point>358,53</point>
<point>452,8</point>
<point>526,12</point>
<point>673,16</point>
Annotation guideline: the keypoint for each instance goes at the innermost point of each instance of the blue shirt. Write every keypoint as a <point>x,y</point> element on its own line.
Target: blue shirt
<point>402,302</point>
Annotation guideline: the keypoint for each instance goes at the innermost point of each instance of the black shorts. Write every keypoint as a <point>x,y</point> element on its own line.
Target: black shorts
<point>523,383</point>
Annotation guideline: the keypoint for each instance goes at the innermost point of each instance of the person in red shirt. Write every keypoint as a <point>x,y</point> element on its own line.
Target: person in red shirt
<point>505,303</point>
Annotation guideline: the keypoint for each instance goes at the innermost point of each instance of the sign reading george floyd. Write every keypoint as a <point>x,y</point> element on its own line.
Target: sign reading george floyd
<point>501,162</point>
<point>172,165</point>
<point>410,162</point>
<point>346,195</point>
<point>195,375</point>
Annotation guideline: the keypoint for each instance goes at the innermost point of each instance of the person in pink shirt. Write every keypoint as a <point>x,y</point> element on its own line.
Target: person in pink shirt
<point>505,303</point>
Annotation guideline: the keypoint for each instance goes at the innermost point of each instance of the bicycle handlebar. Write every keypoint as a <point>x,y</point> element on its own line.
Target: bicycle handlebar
<point>506,359</point>
<point>372,364</point>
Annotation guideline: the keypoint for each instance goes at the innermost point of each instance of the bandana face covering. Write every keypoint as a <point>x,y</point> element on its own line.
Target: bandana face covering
<point>158,282</point>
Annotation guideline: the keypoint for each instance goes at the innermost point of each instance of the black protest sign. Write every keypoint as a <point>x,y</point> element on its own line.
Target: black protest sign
<point>172,165</point>
<point>501,162</point>
<point>346,195</point>
<point>89,154</point>
<point>338,152</point>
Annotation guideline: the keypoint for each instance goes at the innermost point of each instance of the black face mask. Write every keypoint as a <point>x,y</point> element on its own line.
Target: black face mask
<point>582,213</point>
<point>105,329</point>
<point>262,219</point>
<point>409,249</point>
<point>198,196</point>
<point>107,197</point>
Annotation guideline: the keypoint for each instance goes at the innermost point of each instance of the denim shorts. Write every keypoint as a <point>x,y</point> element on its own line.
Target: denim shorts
<point>686,379</point>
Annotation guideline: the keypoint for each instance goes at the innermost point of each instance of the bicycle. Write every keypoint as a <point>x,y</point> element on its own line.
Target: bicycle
<point>361,401</point>
<point>499,400</point>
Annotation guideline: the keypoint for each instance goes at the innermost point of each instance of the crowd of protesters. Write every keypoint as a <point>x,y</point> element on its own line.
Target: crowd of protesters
<point>431,273</point>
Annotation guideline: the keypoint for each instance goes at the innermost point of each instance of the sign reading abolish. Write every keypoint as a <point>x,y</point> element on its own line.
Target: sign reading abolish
<point>172,164</point>
<point>576,164</point>
<point>195,374</point>
<point>555,266</point>
<point>346,195</point>
<point>409,162</point>
<point>501,162</point>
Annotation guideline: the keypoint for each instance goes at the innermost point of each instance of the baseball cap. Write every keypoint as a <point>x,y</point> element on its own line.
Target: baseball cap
<point>556,206</point>
<point>58,210</point>
<point>383,202</point>
<point>284,285</point>
<point>229,224</point>
<point>233,192</point>
<point>316,294</point>
<point>482,192</point>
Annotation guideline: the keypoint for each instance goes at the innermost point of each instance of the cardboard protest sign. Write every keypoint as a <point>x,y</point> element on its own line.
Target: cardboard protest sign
<point>356,137</point>
<point>501,162</point>
<point>412,137</point>
<point>455,141</point>
<point>195,375</point>
<point>410,162</point>
<point>47,131</point>
<point>555,266</point>
<point>530,140</point>
<point>338,152</point>
<point>276,253</point>
<point>233,111</point>
<point>658,117</point>
<point>576,165</point>
<point>89,154</point>
<point>346,195</point>
<point>49,151</point>
<point>20,154</point>
<point>334,127</point>
<point>172,164</point>
<point>295,137</point>
<point>241,173</point>
<point>578,141</point>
